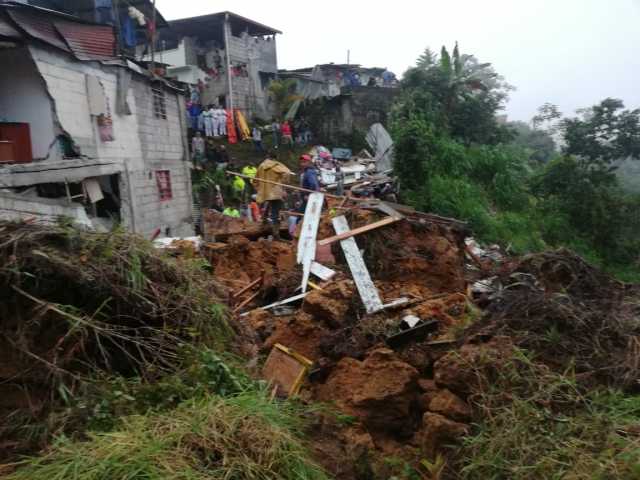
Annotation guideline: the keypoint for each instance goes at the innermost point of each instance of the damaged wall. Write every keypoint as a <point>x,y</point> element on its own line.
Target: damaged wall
<point>162,145</point>
<point>141,144</point>
<point>353,112</point>
<point>47,210</point>
<point>23,98</point>
<point>259,55</point>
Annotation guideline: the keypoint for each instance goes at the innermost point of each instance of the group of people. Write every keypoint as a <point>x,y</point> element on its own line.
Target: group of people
<point>282,134</point>
<point>206,153</point>
<point>211,119</point>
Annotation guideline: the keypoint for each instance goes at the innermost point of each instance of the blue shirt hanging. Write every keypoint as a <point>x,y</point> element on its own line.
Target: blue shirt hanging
<point>128,30</point>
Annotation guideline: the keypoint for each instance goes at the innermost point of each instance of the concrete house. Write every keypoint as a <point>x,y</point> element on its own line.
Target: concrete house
<point>85,133</point>
<point>231,58</point>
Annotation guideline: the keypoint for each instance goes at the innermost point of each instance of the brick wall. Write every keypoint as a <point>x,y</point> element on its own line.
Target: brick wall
<point>143,143</point>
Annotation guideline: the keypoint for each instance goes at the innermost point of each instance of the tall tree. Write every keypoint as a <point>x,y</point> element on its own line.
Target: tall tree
<point>603,135</point>
<point>283,94</point>
<point>537,143</point>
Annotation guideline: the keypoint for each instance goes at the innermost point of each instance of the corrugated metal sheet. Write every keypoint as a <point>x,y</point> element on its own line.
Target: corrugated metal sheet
<point>88,42</point>
<point>37,25</point>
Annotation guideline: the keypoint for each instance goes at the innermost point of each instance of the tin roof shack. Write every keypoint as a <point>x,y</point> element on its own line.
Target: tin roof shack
<point>233,59</point>
<point>85,134</point>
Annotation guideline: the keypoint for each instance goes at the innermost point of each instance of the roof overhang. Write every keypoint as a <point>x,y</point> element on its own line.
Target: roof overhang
<point>201,26</point>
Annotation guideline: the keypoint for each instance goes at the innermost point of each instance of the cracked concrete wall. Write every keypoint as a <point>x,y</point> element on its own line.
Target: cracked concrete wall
<point>24,98</point>
<point>143,144</point>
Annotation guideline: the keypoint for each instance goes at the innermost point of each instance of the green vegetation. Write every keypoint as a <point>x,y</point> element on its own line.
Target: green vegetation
<point>539,424</point>
<point>455,157</point>
<point>283,94</point>
<point>239,437</point>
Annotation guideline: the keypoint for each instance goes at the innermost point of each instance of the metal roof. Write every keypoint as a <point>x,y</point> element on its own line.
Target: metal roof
<point>88,42</point>
<point>38,25</point>
<point>190,26</point>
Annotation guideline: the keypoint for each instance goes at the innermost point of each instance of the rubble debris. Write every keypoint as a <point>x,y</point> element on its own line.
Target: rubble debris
<point>459,371</point>
<point>322,272</point>
<point>74,303</point>
<point>300,332</point>
<point>286,370</point>
<point>358,231</point>
<point>438,432</point>
<point>567,311</point>
<point>331,305</point>
<point>308,233</point>
<point>416,334</point>
<point>381,391</point>
<point>450,405</point>
<point>282,302</point>
<point>366,288</point>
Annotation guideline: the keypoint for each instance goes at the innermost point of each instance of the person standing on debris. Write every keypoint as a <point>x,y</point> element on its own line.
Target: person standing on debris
<point>339,180</point>
<point>255,209</point>
<point>256,134</point>
<point>198,150</point>
<point>309,179</point>
<point>249,186</point>
<point>287,134</point>
<point>270,194</point>
<point>310,174</point>
<point>238,184</point>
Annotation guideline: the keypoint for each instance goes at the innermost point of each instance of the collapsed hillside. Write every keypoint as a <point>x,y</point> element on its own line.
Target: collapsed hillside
<point>498,342</point>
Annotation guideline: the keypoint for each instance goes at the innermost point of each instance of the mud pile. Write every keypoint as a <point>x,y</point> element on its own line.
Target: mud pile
<point>416,398</point>
<point>74,303</point>
<point>389,393</point>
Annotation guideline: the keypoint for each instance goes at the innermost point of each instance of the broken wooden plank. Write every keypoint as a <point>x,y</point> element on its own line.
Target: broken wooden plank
<point>367,290</point>
<point>286,369</point>
<point>308,234</point>
<point>322,272</point>
<point>400,302</point>
<point>253,284</point>
<point>247,301</point>
<point>281,302</point>
<point>358,231</point>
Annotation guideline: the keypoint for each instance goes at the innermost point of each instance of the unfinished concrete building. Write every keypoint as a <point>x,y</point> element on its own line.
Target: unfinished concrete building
<point>86,134</point>
<point>231,59</point>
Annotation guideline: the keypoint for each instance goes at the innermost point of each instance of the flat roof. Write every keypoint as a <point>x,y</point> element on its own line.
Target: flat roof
<point>200,26</point>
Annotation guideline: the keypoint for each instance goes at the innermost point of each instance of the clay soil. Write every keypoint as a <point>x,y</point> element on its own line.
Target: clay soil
<point>415,400</point>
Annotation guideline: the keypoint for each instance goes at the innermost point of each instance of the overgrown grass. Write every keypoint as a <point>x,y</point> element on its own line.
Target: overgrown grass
<point>537,424</point>
<point>241,437</point>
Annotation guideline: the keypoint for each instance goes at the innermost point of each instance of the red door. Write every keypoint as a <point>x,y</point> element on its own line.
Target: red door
<point>19,134</point>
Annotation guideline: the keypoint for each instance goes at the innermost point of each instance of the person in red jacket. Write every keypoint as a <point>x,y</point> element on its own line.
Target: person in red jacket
<point>287,134</point>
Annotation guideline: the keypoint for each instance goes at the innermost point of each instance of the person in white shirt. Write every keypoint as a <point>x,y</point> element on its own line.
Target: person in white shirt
<point>222,125</point>
<point>208,121</point>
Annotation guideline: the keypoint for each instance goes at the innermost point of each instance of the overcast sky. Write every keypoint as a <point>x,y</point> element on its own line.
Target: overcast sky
<point>573,53</point>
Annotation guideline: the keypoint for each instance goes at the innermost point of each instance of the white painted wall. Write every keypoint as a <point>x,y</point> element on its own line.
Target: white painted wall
<point>23,98</point>
<point>176,57</point>
<point>143,143</point>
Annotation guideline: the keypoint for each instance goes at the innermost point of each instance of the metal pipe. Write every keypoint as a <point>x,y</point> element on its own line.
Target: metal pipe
<point>227,27</point>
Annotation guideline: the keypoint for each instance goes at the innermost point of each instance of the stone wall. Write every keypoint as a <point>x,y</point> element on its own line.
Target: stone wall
<point>344,119</point>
